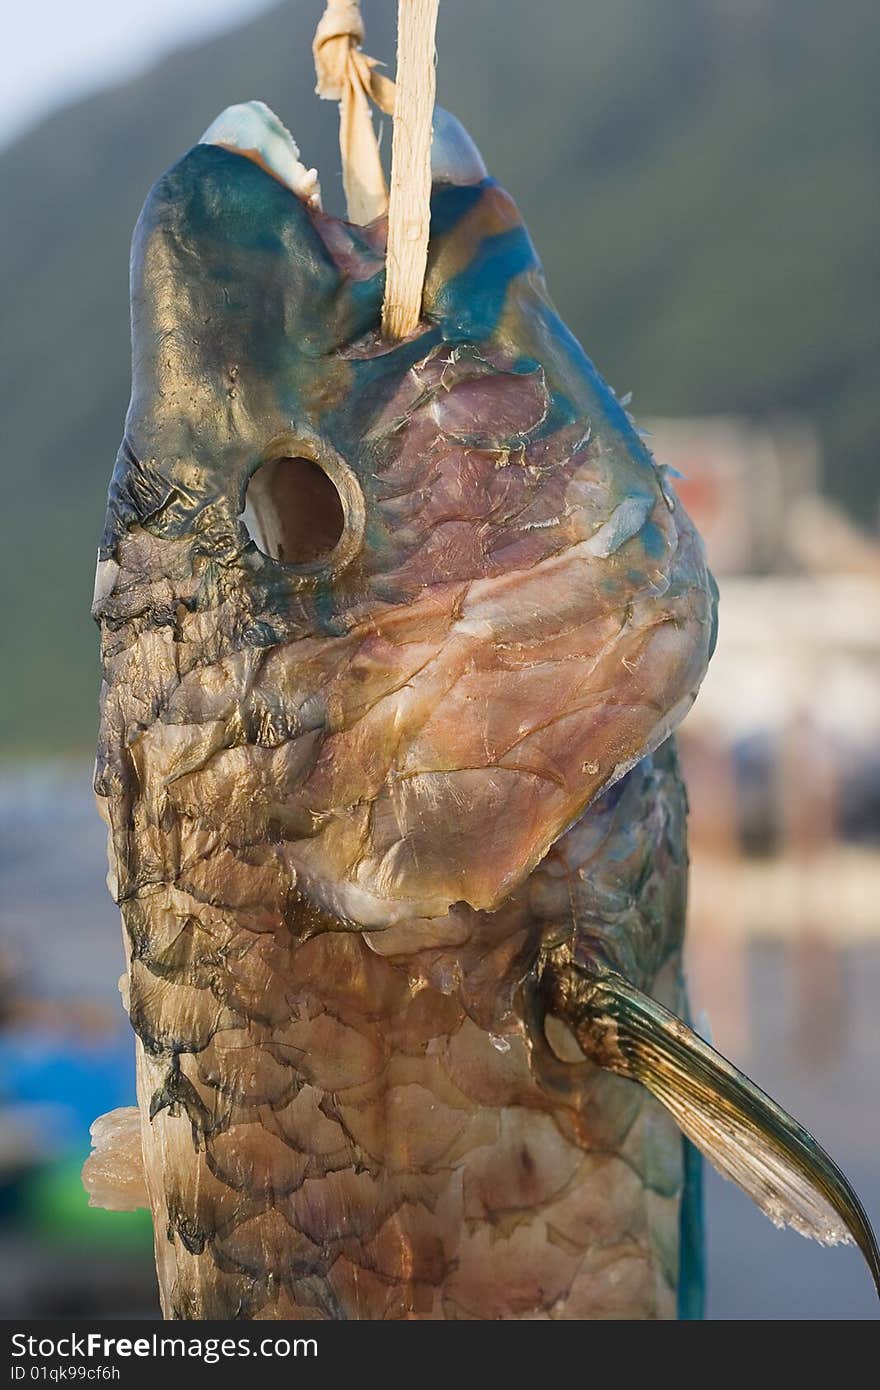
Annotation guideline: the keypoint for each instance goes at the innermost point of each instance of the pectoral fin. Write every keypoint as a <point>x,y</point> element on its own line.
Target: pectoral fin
<point>744,1134</point>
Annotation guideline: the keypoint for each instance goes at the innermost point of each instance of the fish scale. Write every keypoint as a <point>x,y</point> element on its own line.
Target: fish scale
<point>344,1134</point>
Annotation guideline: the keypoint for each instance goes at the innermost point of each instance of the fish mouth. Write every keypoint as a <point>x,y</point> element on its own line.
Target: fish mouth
<point>252,129</point>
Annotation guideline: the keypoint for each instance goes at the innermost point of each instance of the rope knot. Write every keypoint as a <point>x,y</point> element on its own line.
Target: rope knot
<point>340,30</point>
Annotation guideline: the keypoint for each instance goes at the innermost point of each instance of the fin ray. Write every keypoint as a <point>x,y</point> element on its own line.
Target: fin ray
<point>746,1136</point>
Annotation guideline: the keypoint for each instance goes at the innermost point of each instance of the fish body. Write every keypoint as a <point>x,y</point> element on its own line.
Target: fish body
<point>394,638</point>
<point>365,1128</point>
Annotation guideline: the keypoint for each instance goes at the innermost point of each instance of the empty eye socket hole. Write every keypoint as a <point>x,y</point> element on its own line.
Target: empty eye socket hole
<point>293,511</point>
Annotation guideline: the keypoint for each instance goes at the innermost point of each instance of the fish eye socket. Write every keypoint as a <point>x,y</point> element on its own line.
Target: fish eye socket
<point>303,512</point>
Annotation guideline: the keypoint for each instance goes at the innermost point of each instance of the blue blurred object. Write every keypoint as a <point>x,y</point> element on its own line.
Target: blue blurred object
<point>71,1080</point>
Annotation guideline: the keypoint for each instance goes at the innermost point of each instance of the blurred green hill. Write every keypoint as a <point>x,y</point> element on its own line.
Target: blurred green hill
<point>699,176</point>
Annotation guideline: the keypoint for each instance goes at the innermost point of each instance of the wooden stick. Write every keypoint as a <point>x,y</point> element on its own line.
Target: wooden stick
<point>409,202</point>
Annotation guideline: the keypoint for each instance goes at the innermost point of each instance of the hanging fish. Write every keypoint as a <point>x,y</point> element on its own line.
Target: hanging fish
<point>395,637</point>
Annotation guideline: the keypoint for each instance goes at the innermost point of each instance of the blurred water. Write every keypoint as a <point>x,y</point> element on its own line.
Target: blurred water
<point>800,1017</point>
<point>756,1271</point>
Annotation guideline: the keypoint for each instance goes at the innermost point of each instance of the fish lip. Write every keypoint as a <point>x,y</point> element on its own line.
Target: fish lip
<point>455,158</point>
<point>252,130</point>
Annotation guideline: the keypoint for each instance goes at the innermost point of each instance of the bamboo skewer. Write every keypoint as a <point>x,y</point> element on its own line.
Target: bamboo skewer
<point>347,75</point>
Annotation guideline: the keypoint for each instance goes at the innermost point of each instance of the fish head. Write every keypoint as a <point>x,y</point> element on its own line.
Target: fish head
<point>427,599</point>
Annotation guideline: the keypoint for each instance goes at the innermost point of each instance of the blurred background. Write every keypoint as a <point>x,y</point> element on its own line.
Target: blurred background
<point>700,177</point>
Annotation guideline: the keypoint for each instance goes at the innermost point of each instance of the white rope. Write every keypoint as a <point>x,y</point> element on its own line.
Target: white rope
<point>346,75</point>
